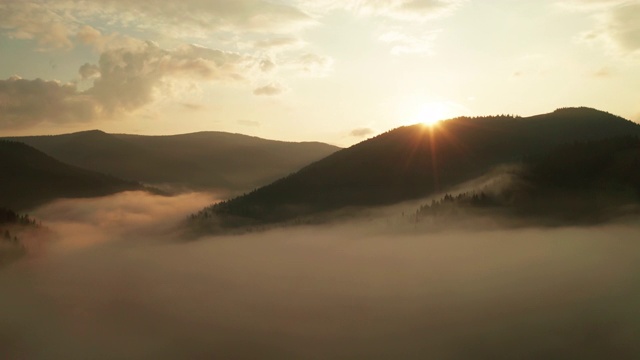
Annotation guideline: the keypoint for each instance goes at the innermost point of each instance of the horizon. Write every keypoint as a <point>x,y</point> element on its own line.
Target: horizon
<point>327,71</point>
<point>429,124</point>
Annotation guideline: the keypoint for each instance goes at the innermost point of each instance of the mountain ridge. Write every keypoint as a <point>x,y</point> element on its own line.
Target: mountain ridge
<point>414,161</point>
<point>29,178</point>
<point>203,160</point>
<point>582,183</point>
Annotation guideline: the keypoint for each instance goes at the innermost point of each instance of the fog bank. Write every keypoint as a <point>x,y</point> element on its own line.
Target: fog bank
<point>326,293</point>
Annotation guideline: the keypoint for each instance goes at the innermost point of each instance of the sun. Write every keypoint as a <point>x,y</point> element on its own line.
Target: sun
<point>429,114</point>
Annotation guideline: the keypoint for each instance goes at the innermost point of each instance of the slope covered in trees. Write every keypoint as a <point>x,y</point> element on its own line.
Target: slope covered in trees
<point>29,178</point>
<point>11,225</point>
<point>583,182</point>
<point>411,162</point>
<point>204,160</point>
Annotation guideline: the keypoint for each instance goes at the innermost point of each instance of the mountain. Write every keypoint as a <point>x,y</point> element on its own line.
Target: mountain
<point>98,151</point>
<point>579,183</point>
<point>204,160</point>
<point>411,162</point>
<point>29,178</point>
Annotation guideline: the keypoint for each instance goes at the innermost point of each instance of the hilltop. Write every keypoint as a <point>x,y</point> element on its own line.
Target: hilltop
<point>29,178</point>
<point>412,162</point>
<point>204,160</point>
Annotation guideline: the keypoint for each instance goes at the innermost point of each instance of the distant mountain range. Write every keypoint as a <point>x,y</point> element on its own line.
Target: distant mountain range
<point>412,162</point>
<point>204,160</point>
<point>29,178</point>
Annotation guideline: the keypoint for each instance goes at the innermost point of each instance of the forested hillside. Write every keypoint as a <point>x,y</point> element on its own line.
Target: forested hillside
<point>29,178</point>
<point>204,160</point>
<point>580,183</point>
<point>412,162</point>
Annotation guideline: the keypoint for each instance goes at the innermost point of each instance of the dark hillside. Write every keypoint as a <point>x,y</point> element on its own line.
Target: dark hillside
<point>205,160</point>
<point>98,151</point>
<point>579,183</point>
<point>232,161</point>
<point>29,178</point>
<point>414,161</point>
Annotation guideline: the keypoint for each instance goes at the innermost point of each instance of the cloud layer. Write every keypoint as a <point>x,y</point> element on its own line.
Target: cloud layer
<point>269,90</point>
<point>25,103</point>
<point>617,26</point>
<point>407,9</point>
<point>361,132</point>
<point>54,23</point>
<point>252,41</point>
<point>123,80</point>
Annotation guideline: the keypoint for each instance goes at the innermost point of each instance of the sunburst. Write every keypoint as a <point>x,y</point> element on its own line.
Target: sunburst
<point>430,114</point>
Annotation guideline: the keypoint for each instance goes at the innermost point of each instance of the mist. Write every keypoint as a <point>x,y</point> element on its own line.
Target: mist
<point>120,283</point>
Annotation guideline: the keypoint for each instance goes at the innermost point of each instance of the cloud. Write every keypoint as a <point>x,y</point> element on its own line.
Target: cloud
<point>408,9</point>
<point>266,65</point>
<point>250,123</point>
<point>55,25</point>
<point>617,26</point>
<point>124,80</point>
<point>278,42</point>
<point>313,64</point>
<point>404,10</point>
<point>129,77</point>
<point>24,103</point>
<point>603,72</point>
<point>582,5</point>
<point>192,106</point>
<point>403,43</point>
<point>53,29</point>
<point>191,16</point>
<point>87,71</point>
<point>100,42</point>
<point>395,14</point>
<point>269,90</point>
<point>35,21</point>
<point>621,28</point>
<point>361,132</point>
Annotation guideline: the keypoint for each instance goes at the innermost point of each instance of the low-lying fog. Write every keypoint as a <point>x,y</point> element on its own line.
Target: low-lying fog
<point>115,286</point>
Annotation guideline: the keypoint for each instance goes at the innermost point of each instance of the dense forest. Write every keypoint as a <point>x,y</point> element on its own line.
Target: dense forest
<point>579,183</point>
<point>11,225</point>
<point>412,162</point>
<point>29,178</point>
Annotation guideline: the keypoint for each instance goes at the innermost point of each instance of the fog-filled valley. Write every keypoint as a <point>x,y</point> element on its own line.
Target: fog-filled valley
<point>119,281</point>
<point>487,238</point>
<point>319,179</point>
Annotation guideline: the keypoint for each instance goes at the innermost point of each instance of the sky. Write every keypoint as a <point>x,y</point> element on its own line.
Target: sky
<point>337,71</point>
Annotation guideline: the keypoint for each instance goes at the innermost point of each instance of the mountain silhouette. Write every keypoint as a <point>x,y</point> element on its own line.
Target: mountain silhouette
<point>204,160</point>
<point>578,183</point>
<point>412,162</point>
<point>29,178</point>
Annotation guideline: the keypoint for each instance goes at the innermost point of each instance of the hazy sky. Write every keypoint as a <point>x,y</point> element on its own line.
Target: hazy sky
<point>331,70</point>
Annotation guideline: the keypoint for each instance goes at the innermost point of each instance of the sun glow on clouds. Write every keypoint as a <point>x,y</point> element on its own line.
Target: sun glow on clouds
<point>75,65</point>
